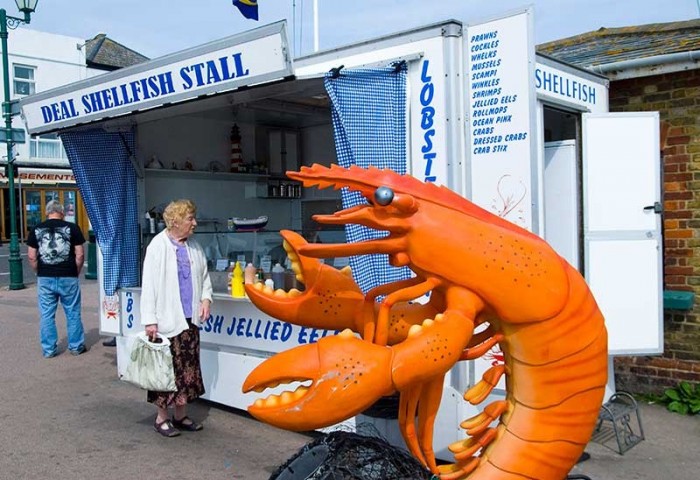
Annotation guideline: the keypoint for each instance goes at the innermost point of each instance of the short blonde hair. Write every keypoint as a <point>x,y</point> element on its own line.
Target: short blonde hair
<point>178,210</point>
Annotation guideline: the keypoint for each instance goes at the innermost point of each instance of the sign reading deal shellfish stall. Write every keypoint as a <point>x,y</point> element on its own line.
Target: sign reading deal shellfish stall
<point>501,116</point>
<point>252,57</point>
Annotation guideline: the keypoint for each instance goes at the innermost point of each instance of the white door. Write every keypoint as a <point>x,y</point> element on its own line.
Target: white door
<point>622,227</point>
<point>561,200</point>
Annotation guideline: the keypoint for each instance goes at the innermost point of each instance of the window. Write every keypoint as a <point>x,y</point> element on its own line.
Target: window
<point>47,146</point>
<point>24,79</point>
<point>35,200</point>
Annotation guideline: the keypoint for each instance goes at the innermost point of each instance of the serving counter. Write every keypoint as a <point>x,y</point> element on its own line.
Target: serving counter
<point>234,339</point>
<point>237,336</point>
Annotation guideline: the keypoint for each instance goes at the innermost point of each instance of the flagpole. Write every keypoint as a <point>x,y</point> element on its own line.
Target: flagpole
<point>294,28</point>
<point>316,25</point>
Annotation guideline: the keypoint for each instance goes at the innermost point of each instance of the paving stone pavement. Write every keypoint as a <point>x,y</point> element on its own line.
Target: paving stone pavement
<point>71,417</point>
<point>28,274</point>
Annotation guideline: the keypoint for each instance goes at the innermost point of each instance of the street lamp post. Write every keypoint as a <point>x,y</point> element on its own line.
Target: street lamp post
<point>26,7</point>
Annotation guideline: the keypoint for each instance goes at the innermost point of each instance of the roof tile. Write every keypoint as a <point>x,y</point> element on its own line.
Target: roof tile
<point>104,53</point>
<point>610,45</point>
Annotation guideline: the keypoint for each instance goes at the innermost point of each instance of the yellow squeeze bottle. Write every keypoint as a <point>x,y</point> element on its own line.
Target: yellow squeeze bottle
<point>237,289</point>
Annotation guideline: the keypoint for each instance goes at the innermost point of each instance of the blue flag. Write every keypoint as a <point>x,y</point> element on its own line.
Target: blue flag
<point>249,8</point>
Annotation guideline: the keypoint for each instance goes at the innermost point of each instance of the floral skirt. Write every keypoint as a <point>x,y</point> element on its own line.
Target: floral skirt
<point>188,374</point>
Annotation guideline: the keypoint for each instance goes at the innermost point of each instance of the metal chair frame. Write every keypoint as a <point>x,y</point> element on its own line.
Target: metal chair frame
<point>620,410</point>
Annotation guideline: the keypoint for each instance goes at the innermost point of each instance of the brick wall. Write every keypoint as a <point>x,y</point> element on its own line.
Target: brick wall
<point>676,96</point>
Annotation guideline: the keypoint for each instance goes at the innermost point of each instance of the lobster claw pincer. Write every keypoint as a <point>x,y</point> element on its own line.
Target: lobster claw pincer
<point>346,376</point>
<point>330,300</point>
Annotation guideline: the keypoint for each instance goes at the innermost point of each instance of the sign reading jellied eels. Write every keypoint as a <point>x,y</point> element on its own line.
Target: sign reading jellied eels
<point>257,56</point>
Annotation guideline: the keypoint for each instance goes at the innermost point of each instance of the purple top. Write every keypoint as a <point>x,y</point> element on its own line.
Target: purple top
<point>184,271</point>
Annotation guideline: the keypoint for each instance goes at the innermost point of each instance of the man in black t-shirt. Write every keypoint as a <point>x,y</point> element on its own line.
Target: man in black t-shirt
<point>56,254</point>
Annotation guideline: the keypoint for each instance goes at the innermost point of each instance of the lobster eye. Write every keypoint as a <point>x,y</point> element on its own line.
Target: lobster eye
<point>383,196</point>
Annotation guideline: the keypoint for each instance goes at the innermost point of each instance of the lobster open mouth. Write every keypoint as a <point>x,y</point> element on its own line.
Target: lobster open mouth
<point>329,299</point>
<point>284,369</point>
<point>306,269</point>
<point>333,368</point>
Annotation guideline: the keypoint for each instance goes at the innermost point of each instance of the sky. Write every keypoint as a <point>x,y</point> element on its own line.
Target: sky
<point>158,27</point>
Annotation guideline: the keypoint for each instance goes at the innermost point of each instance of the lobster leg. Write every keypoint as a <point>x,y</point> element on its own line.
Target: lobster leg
<point>424,399</point>
<point>428,406</point>
<point>480,436</point>
<point>405,294</point>
<point>408,403</point>
<point>489,380</point>
<point>388,288</point>
<point>479,349</point>
<point>465,461</point>
<point>368,309</point>
<point>478,423</point>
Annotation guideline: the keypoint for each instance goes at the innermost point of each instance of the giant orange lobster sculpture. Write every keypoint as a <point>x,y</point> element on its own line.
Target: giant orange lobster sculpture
<point>480,270</point>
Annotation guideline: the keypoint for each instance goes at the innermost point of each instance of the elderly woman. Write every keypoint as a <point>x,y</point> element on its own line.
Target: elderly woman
<point>176,295</point>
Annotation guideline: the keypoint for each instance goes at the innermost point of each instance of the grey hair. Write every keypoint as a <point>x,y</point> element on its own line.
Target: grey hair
<point>54,206</point>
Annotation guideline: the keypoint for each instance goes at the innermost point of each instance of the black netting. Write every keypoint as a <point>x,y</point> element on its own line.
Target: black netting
<point>349,456</point>
<point>343,455</point>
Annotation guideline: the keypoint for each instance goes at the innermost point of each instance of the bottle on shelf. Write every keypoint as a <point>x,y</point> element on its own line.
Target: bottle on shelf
<point>237,289</point>
<point>249,273</point>
<point>229,277</point>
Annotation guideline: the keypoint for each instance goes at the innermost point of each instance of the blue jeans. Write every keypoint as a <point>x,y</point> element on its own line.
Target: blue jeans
<point>50,290</point>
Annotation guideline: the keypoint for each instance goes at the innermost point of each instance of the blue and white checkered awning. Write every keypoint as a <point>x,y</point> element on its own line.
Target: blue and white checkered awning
<point>107,183</point>
<point>369,123</point>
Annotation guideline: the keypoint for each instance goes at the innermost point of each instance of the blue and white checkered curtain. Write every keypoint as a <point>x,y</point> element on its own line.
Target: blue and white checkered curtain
<point>369,123</point>
<point>107,183</point>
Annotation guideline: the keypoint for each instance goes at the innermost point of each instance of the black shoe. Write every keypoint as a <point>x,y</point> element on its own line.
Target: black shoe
<point>79,351</point>
<point>186,423</point>
<point>166,428</point>
<point>112,342</point>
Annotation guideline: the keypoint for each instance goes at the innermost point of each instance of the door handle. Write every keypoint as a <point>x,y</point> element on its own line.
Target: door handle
<point>657,207</point>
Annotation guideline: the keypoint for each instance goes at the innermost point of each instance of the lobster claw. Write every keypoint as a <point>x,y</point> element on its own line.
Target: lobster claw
<point>346,376</point>
<point>331,299</point>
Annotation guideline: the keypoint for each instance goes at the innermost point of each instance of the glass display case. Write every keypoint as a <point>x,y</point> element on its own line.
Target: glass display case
<point>262,248</point>
<point>223,248</point>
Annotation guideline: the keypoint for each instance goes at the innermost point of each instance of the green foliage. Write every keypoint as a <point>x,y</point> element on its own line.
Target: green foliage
<point>683,399</point>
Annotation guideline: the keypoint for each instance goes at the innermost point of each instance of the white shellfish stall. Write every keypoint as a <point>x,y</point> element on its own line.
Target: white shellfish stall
<point>520,134</point>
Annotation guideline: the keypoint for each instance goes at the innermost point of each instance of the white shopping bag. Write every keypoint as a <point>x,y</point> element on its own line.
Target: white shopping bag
<point>151,365</point>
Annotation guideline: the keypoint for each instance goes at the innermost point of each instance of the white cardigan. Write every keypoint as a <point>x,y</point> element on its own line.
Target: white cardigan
<point>160,290</point>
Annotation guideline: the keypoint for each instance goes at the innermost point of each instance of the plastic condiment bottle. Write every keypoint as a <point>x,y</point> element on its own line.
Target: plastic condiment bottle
<point>268,283</point>
<point>278,276</point>
<point>250,273</point>
<point>237,289</point>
